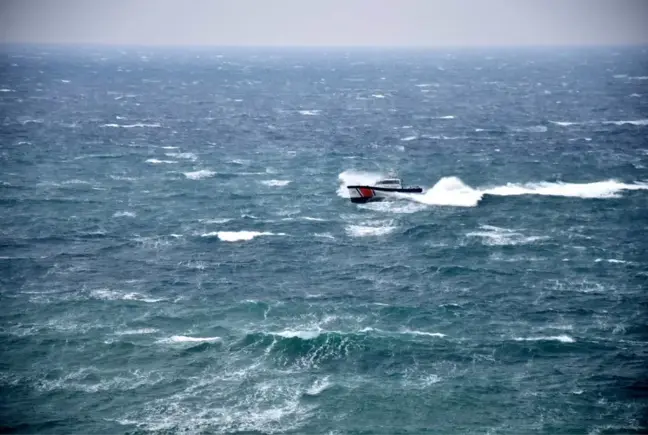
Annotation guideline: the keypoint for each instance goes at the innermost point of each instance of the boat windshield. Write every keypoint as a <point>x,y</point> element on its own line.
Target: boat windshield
<point>389,182</point>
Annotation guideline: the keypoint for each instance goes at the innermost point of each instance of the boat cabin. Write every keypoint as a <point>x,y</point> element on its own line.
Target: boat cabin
<point>390,182</point>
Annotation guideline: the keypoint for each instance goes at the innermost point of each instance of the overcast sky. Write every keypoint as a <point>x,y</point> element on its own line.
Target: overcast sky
<point>326,22</point>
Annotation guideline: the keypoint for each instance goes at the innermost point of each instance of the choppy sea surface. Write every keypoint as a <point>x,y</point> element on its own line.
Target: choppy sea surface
<point>178,253</point>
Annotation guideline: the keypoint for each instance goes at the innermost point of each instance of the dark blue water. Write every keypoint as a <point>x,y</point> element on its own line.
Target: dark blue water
<point>178,254</point>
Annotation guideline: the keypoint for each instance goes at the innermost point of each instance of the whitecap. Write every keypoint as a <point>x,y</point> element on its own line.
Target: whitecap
<point>495,236</point>
<point>561,338</point>
<point>111,295</point>
<point>564,123</point>
<point>398,207</point>
<point>159,162</point>
<point>124,214</point>
<point>122,178</point>
<point>324,235</point>
<point>303,334</point>
<point>310,112</point>
<point>215,221</point>
<point>187,156</point>
<point>424,333</point>
<point>319,386</point>
<point>186,339</point>
<point>276,183</point>
<point>531,129</point>
<point>136,125</point>
<point>610,260</point>
<point>140,331</point>
<point>638,122</point>
<point>237,236</point>
<point>369,230</point>
<point>199,175</point>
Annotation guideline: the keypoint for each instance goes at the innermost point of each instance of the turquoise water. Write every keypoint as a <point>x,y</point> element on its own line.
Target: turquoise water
<point>178,254</point>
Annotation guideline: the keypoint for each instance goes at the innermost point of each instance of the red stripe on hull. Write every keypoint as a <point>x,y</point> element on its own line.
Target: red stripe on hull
<point>365,192</point>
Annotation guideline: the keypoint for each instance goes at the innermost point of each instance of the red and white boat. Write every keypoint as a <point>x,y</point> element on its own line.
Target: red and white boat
<point>380,190</point>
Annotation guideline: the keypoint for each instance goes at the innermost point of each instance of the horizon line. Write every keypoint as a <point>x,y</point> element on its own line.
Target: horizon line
<point>323,46</point>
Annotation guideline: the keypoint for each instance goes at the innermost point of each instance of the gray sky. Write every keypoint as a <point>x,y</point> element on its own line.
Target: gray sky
<point>326,22</point>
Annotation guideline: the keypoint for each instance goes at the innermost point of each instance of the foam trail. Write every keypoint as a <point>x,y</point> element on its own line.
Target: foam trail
<point>448,191</point>
<point>600,189</point>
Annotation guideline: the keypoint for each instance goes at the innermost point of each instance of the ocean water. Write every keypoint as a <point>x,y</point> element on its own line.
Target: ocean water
<point>178,253</point>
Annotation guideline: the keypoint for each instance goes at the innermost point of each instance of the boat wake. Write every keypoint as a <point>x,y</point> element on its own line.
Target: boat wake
<point>452,191</point>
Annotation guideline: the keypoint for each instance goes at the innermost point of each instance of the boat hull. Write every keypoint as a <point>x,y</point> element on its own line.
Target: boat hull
<point>363,194</point>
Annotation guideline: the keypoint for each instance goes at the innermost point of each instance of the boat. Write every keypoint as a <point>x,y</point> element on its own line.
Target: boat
<point>379,190</point>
